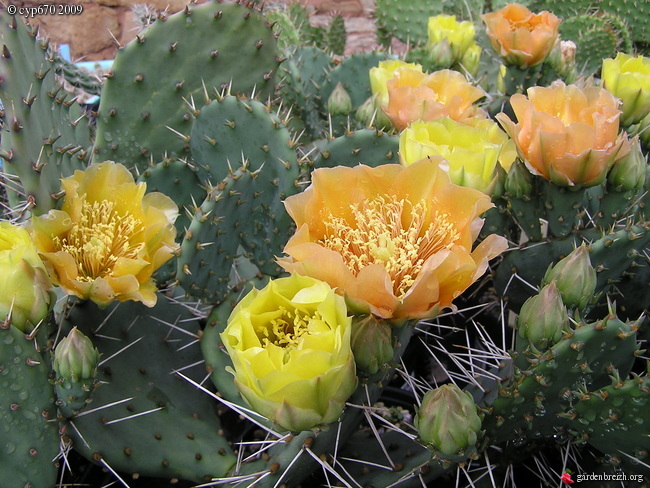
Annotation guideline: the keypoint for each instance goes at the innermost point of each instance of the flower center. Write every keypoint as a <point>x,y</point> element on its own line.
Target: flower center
<point>287,330</point>
<point>100,238</point>
<point>393,234</point>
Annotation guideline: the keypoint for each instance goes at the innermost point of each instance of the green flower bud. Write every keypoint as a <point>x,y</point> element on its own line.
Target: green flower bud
<point>339,101</point>
<point>471,59</point>
<point>448,421</point>
<point>75,358</point>
<point>628,173</point>
<point>574,277</point>
<point>371,115</point>
<point>519,181</point>
<point>543,318</point>
<point>371,343</point>
<point>441,54</point>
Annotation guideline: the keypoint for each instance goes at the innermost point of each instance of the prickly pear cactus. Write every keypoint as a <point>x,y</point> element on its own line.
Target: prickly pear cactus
<point>153,123</point>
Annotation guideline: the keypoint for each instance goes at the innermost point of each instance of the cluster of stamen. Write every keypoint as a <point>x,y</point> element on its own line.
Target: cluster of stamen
<point>287,329</point>
<point>99,238</point>
<point>394,234</point>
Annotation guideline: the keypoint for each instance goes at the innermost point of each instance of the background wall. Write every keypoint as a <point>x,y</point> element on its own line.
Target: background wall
<point>95,33</point>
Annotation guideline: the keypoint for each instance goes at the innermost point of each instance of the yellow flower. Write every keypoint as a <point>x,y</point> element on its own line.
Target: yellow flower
<point>471,158</point>
<point>567,134</point>
<point>384,71</point>
<point>108,238</point>
<point>521,37</point>
<point>413,95</point>
<point>459,36</point>
<point>628,78</point>
<point>25,296</point>
<point>471,59</point>
<point>397,241</point>
<point>290,348</point>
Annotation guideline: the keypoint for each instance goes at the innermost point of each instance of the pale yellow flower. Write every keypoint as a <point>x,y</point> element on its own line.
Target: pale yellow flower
<point>25,296</point>
<point>520,36</point>
<point>459,36</point>
<point>567,134</point>
<point>397,241</point>
<point>628,78</point>
<point>108,237</point>
<point>471,158</point>
<point>290,348</point>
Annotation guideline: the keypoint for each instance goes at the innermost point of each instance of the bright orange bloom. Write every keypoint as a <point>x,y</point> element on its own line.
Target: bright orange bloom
<point>396,241</point>
<point>566,134</point>
<point>109,236</point>
<point>521,37</point>
<point>413,95</point>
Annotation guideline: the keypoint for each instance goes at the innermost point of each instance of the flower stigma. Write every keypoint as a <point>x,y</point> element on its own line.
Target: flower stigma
<point>391,235</point>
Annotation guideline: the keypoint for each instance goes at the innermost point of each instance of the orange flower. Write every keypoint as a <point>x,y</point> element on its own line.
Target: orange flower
<point>108,238</point>
<point>521,37</point>
<point>397,241</point>
<point>413,95</point>
<point>567,134</point>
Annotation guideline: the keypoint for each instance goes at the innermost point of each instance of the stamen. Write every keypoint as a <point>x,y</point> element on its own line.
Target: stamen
<point>100,238</point>
<point>391,234</point>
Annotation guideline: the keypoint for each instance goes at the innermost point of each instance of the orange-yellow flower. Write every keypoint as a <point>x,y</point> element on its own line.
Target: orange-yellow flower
<point>520,36</point>
<point>567,134</point>
<point>397,241</point>
<point>109,236</point>
<point>413,95</point>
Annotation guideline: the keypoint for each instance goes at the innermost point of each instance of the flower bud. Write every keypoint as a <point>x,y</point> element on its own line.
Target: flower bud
<point>448,421</point>
<point>543,318</point>
<point>574,277</point>
<point>471,59</point>
<point>519,181</point>
<point>75,357</point>
<point>371,343</point>
<point>628,172</point>
<point>339,101</point>
<point>25,296</point>
<point>371,115</point>
<point>441,54</point>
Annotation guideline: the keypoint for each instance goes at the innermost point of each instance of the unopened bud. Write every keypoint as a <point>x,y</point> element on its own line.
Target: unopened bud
<point>471,59</point>
<point>447,421</point>
<point>339,101</point>
<point>371,115</point>
<point>441,54</point>
<point>628,173</point>
<point>75,357</point>
<point>574,277</point>
<point>519,181</point>
<point>543,318</point>
<point>371,343</point>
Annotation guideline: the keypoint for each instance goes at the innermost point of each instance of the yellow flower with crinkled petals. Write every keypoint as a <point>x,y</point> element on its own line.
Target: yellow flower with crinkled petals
<point>290,348</point>
<point>108,237</point>
<point>470,158</point>
<point>446,29</point>
<point>628,78</point>
<point>396,241</point>
<point>25,296</point>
